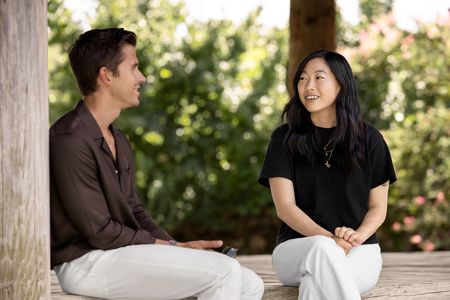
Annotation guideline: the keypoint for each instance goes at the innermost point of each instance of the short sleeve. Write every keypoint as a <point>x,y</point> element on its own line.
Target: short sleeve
<point>278,162</point>
<point>382,168</point>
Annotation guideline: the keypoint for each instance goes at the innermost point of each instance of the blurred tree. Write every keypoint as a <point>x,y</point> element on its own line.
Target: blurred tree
<point>418,203</point>
<point>399,72</point>
<point>212,96</point>
<point>370,10</point>
<point>62,33</point>
<point>404,84</point>
<point>312,26</point>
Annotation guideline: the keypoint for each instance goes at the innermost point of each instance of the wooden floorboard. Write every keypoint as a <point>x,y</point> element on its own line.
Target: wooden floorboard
<point>413,275</point>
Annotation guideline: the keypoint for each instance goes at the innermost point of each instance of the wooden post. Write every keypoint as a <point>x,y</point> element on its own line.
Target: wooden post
<point>312,26</point>
<point>24,171</point>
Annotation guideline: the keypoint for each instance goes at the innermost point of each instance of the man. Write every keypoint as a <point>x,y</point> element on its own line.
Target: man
<point>103,243</point>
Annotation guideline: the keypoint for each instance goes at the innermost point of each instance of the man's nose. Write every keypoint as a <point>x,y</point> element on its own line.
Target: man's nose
<point>141,78</point>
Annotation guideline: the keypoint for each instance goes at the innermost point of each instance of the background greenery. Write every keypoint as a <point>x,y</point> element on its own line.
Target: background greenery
<point>214,94</point>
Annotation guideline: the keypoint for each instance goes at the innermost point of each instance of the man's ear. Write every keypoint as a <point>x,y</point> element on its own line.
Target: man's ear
<point>104,75</point>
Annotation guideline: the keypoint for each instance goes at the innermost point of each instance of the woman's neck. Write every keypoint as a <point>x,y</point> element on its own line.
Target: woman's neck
<point>324,121</point>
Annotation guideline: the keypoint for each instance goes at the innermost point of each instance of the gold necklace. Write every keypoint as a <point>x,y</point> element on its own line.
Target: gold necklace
<point>328,154</point>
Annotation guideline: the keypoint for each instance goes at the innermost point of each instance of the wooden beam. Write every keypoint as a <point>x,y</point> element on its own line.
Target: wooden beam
<point>312,26</point>
<point>24,172</point>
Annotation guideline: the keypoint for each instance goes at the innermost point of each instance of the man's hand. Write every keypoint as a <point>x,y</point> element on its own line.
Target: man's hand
<point>203,245</point>
<point>346,246</point>
<point>348,234</point>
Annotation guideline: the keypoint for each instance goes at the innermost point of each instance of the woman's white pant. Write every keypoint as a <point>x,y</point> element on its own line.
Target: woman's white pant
<point>322,269</point>
<point>158,272</point>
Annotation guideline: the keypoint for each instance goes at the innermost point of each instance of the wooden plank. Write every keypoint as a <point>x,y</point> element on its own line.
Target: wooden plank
<point>415,275</point>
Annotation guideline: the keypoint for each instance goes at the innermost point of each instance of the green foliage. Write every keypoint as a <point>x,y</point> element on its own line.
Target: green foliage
<point>371,9</point>
<point>418,208</point>
<point>404,84</point>
<point>401,73</point>
<point>214,94</point>
<point>63,32</point>
<point>199,136</point>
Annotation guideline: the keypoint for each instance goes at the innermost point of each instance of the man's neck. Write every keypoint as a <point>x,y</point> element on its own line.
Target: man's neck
<point>102,110</point>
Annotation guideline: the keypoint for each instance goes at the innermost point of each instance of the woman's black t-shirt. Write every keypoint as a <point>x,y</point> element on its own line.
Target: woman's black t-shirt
<point>329,196</point>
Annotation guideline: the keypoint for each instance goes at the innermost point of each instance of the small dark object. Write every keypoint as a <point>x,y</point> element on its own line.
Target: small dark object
<point>230,251</point>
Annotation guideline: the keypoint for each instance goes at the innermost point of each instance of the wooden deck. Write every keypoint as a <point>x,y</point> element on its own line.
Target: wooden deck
<point>415,275</point>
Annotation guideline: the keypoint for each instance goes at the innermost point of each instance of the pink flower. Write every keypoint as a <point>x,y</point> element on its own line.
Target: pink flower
<point>432,32</point>
<point>420,200</point>
<point>443,20</point>
<point>415,239</point>
<point>408,40</point>
<point>396,226</point>
<point>440,198</point>
<point>428,246</point>
<point>406,55</point>
<point>409,220</point>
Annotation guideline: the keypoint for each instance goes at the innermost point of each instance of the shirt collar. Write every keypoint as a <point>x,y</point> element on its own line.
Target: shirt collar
<point>92,127</point>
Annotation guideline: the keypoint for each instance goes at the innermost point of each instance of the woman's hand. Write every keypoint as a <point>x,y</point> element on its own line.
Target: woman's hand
<point>353,237</point>
<point>372,220</point>
<point>346,246</point>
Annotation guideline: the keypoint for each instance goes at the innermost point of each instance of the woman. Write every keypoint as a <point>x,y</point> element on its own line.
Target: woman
<point>329,174</point>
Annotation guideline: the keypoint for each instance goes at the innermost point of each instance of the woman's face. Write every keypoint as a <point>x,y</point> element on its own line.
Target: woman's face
<point>318,89</point>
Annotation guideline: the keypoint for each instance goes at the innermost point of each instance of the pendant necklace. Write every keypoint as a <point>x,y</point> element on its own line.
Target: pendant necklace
<point>328,154</point>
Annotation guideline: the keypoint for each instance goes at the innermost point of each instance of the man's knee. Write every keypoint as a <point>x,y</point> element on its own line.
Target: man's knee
<point>228,267</point>
<point>252,284</point>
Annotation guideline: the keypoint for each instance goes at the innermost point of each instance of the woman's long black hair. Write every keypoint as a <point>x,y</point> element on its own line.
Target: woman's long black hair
<point>348,137</point>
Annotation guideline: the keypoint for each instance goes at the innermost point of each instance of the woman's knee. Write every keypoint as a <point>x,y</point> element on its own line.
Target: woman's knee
<point>324,244</point>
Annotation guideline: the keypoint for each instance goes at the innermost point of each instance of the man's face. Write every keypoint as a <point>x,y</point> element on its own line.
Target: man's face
<point>125,85</point>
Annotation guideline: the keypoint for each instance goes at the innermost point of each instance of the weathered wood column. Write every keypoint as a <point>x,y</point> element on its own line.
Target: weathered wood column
<point>312,26</point>
<point>24,171</point>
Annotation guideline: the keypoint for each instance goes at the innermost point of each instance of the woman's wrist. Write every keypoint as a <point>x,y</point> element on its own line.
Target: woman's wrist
<point>363,234</point>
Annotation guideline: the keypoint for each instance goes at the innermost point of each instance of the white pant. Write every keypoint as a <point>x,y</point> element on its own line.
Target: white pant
<point>323,270</point>
<point>158,272</point>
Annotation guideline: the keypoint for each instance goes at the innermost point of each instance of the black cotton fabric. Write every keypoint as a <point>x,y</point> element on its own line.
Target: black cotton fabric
<point>329,196</point>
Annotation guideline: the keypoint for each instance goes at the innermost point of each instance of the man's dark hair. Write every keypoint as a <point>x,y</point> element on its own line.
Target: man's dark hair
<point>95,49</point>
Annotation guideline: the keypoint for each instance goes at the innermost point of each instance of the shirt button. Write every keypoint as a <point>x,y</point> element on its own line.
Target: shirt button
<point>117,172</point>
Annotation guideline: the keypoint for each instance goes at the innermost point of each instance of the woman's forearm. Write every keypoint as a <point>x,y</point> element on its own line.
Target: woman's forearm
<point>295,218</point>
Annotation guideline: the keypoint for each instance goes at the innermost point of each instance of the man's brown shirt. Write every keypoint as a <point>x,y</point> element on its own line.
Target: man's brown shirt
<point>94,204</point>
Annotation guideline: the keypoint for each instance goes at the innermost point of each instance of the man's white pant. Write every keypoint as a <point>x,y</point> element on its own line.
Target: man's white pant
<point>158,272</point>
<point>323,270</point>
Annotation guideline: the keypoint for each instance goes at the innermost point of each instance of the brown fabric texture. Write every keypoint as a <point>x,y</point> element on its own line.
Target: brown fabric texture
<point>93,199</point>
